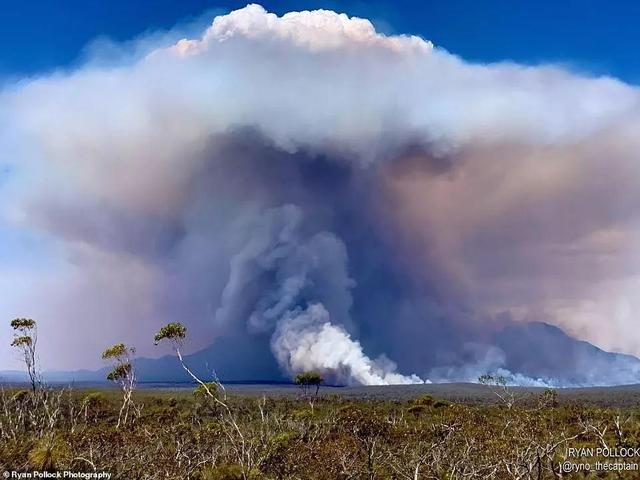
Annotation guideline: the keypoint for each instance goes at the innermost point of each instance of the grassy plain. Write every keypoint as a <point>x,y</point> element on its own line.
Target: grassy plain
<point>270,432</point>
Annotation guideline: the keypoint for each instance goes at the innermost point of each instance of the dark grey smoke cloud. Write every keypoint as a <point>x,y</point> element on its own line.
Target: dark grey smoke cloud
<point>370,206</point>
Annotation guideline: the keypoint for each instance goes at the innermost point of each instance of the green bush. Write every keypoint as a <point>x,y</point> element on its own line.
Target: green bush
<point>21,396</point>
<point>222,472</point>
<point>202,391</point>
<point>49,454</point>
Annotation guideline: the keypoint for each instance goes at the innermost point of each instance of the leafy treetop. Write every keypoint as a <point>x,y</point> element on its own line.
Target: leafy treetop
<point>488,379</point>
<point>25,341</point>
<point>172,331</point>
<point>120,372</point>
<point>308,378</point>
<point>119,350</point>
<point>23,324</point>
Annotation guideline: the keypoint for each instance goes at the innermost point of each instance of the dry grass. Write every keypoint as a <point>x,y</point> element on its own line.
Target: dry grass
<point>178,435</point>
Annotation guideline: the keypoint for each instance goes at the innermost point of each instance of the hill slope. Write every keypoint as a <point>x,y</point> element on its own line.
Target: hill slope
<point>559,360</point>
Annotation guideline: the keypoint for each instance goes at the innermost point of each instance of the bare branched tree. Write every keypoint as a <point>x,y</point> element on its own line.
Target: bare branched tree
<point>25,339</point>
<point>123,373</point>
<point>176,333</point>
<point>500,387</point>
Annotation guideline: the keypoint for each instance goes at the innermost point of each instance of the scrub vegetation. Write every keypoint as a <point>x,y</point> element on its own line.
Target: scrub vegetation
<point>208,433</point>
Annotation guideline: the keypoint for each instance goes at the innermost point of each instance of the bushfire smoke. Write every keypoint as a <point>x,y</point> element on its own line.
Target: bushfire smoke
<point>373,206</point>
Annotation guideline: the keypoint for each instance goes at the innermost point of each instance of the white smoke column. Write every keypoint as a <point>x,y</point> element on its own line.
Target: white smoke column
<point>306,340</point>
<point>489,360</point>
<point>277,272</point>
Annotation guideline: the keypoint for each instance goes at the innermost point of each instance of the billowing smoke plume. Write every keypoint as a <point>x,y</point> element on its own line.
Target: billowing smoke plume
<point>344,196</point>
<point>281,276</point>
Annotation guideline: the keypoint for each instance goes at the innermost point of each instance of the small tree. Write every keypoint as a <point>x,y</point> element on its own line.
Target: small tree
<point>25,339</point>
<point>309,383</point>
<point>175,333</point>
<point>500,387</point>
<point>122,373</point>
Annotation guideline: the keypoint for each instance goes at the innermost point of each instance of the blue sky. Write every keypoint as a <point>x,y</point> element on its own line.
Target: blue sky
<point>590,35</point>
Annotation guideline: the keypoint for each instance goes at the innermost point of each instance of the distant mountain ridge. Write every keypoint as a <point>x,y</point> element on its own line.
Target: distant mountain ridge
<point>574,362</point>
<point>235,358</point>
<point>560,359</point>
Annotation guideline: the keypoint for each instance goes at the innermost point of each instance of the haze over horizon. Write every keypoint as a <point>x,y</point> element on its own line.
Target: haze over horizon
<point>368,204</point>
